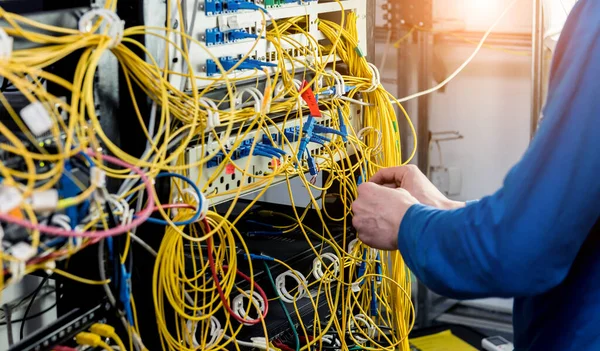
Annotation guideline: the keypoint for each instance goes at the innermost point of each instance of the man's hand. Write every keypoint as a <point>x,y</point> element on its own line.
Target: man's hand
<point>416,183</point>
<point>378,212</point>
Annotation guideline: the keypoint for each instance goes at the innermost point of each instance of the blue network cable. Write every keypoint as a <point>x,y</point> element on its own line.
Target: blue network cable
<point>196,189</point>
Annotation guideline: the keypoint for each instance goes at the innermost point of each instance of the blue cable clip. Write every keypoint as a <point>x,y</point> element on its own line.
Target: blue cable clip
<point>236,5</point>
<point>308,132</point>
<point>260,64</point>
<point>342,125</point>
<point>240,34</point>
<point>125,293</point>
<point>258,257</point>
<point>378,268</point>
<point>312,165</point>
<point>374,303</point>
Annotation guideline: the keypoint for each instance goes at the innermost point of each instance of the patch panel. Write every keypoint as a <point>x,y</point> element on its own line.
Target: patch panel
<point>214,36</point>
<point>216,20</point>
<point>229,63</point>
<point>217,7</point>
<point>231,178</point>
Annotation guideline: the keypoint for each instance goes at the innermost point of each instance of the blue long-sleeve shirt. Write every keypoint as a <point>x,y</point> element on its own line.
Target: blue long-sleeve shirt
<point>538,238</point>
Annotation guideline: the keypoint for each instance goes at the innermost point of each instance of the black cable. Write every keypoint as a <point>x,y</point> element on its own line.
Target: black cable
<point>37,291</point>
<point>33,316</point>
<point>283,307</point>
<point>9,332</point>
<point>14,306</point>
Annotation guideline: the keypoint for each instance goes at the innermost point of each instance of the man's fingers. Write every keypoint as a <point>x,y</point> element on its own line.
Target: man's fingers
<point>392,175</point>
<point>390,185</point>
<point>366,188</point>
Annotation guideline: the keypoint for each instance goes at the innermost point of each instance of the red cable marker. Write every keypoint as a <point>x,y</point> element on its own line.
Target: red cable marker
<point>309,97</point>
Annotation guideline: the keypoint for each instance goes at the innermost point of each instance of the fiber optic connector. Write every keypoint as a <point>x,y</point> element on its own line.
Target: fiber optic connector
<point>229,62</point>
<point>308,132</point>
<point>216,160</point>
<point>312,165</point>
<point>213,7</point>
<point>213,36</point>
<point>343,128</point>
<point>237,5</point>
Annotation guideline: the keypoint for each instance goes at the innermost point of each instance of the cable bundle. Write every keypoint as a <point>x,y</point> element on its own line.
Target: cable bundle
<point>58,196</point>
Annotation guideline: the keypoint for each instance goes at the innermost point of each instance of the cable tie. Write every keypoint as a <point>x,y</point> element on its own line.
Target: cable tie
<point>238,305</point>
<point>116,27</point>
<point>375,79</point>
<point>318,266</point>
<point>282,290</point>
<point>6,45</point>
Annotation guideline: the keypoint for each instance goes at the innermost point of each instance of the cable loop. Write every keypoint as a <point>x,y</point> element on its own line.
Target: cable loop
<point>240,311</point>
<point>364,320</point>
<point>284,293</point>
<point>318,266</point>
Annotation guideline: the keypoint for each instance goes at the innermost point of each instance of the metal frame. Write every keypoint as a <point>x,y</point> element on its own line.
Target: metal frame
<point>537,65</point>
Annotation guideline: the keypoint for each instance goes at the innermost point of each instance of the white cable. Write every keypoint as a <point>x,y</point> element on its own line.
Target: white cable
<point>6,46</point>
<point>354,101</point>
<point>254,93</point>
<point>465,64</point>
<point>318,266</point>
<point>340,90</point>
<point>238,305</point>
<point>282,290</point>
<point>375,79</point>
<point>213,119</point>
<point>116,26</point>
<point>340,84</point>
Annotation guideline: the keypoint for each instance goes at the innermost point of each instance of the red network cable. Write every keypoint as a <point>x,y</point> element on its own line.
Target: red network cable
<point>213,270</point>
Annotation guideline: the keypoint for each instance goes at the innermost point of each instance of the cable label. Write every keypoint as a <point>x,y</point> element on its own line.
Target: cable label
<point>309,97</point>
<point>230,169</point>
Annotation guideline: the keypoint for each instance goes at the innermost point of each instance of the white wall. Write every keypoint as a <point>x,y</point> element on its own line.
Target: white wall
<point>488,103</point>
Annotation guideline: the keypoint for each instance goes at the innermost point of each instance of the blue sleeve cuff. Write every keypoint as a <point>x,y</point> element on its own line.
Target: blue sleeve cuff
<point>407,236</point>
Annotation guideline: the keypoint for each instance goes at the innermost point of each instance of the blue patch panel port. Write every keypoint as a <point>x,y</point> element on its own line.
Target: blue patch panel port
<point>213,7</point>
